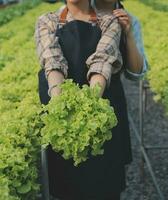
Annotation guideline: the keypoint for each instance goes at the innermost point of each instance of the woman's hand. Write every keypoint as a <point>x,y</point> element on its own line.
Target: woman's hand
<point>134,58</point>
<point>124,19</point>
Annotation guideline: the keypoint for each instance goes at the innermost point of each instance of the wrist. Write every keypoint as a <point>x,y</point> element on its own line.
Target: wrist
<point>54,90</point>
<point>129,29</point>
<point>130,39</point>
<point>129,34</point>
<point>98,79</point>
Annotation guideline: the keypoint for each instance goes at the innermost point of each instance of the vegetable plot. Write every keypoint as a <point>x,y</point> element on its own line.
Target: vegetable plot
<point>19,107</point>
<point>8,14</point>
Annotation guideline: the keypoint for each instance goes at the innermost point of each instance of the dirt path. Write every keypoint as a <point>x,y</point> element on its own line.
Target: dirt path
<point>156,133</point>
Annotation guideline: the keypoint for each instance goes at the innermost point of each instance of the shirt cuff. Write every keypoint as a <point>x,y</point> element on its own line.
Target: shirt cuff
<point>51,64</point>
<point>136,76</point>
<point>96,69</point>
<point>110,66</point>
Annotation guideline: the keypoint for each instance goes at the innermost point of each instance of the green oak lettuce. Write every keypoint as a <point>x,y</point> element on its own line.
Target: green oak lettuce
<point>77,122</point>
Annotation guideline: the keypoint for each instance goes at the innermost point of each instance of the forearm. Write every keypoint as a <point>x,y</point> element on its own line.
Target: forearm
<point>98,79</point>
<point>134,58</point>
<point>55,78</point>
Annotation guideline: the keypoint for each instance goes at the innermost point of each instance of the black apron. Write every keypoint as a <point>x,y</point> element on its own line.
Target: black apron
<point>101,176</point>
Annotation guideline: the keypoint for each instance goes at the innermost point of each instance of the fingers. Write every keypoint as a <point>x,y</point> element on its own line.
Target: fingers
<point>120,13</point>
<point>119,10</point>
<point>126,19</point>
<point>123,18</point>
<point>124,23</point>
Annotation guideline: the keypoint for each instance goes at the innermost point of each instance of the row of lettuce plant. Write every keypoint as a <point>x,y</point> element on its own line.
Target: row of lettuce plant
<point>9,13</point>
<point>19,106</point>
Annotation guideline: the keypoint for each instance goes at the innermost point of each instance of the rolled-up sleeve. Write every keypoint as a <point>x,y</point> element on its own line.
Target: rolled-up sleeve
<point>47,45</point>
<point>136,27</point>
<point>107,59</point>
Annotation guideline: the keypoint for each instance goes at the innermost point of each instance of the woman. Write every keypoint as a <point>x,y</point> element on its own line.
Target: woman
<point>133,50</point>
<point>66,42</point>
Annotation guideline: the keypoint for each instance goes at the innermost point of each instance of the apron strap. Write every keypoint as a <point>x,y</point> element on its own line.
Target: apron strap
<point>63,16</point>
<point>93,16</point>
<point>64,13</point>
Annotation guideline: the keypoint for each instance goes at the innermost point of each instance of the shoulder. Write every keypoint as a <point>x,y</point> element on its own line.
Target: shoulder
<point>106,20</point>
<point>49,16</point>
<point>135,20</point>
<point>105,16</point>
<point>49,19</point>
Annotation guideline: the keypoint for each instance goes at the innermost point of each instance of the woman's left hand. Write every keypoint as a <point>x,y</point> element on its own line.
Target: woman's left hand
<point>124,19</point>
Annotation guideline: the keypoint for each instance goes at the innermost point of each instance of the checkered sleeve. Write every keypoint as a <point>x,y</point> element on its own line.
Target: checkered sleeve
<point>107,59</point>
<point>47,45</point>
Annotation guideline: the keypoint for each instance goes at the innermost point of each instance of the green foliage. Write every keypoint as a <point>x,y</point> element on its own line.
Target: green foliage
<point>157,5</point>
<point>154,26</point>
<point>78,122</point>
<point>4,189</point>
<point>16,34</point>
<point>19,146</point>
<point>19,107</point>
<point>18,10</point>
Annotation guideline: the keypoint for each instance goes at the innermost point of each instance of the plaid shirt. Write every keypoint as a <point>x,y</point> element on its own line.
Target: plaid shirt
<point>106,60</point>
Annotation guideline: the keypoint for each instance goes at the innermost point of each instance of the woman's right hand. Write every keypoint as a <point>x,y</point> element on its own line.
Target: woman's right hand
<point>124,19</point>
